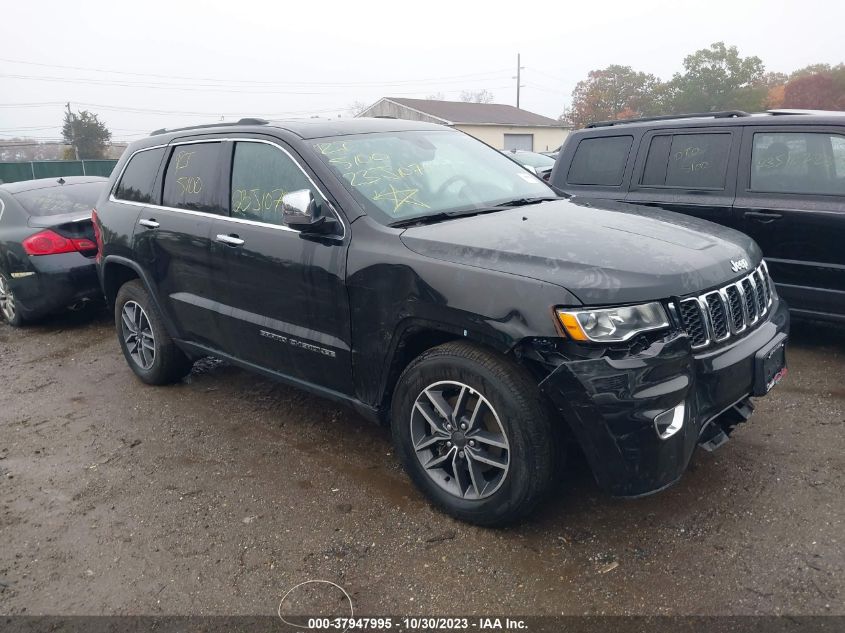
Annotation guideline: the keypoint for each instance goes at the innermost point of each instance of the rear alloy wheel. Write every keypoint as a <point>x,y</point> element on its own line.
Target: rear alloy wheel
<point>147,347</point>
<point>138,335</point>
<point>474,433</point>
<point>8,307</point>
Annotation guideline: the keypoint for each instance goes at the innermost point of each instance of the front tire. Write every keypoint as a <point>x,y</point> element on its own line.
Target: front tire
<point>9,308</point>
<point>146,345</point>
<point>473,433</point>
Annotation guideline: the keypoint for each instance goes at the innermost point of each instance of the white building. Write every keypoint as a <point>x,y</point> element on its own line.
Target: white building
<point>499,125</point>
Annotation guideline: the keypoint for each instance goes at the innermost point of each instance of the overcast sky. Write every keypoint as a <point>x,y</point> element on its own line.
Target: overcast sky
<point>150,64</point>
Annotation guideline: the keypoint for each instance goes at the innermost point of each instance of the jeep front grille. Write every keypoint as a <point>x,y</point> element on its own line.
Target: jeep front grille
<point>716,316</point>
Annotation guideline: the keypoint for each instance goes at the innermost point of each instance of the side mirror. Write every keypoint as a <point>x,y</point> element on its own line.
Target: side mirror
<point>301,211</point>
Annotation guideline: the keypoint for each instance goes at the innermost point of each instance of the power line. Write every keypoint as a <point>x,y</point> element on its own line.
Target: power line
<point>549,75</point>
<point>217,80</point>
<point>33,128</point>
<point>37,104</point>
<point>199,88</point>
<point>58,127</point>
<point>538,87</point>
<point>135,110</point>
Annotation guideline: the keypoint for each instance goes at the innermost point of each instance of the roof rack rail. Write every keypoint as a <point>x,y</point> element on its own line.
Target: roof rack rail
<point>244,121</point>
<point>722,114</point>
<point>788,112</point>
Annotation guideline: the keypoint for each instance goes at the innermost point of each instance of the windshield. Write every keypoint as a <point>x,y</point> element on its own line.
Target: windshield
<point>403,175</point>
<point>61,198</point>
<point>539,161</point>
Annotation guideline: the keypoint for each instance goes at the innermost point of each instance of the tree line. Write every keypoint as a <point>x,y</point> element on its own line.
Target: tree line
<point>714,78</point>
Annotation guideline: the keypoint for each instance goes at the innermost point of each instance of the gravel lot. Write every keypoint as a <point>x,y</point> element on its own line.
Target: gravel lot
<point>217,495</point>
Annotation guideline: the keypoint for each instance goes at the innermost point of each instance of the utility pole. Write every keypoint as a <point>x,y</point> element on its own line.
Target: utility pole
<point>519,69</point>
<point>73,131</point>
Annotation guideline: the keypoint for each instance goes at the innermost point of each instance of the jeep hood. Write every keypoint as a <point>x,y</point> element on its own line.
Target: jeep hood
<point>612,253</point>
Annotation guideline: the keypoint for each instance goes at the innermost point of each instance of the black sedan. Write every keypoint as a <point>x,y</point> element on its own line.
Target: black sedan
<point>534,162</point>
<point>47,246</point>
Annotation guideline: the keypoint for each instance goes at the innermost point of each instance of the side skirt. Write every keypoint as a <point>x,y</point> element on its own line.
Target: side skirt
<point>363,409</point>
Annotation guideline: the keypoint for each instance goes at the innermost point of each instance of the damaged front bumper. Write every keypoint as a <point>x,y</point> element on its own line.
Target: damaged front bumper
<point>639,417</point>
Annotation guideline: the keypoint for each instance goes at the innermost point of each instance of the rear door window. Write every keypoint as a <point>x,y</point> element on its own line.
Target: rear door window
<point>261,175</point>
<point>687,161</point>
<point>798,162</point>
<point>600,161</point>
<point>192,178</point>
<point>136,183</point>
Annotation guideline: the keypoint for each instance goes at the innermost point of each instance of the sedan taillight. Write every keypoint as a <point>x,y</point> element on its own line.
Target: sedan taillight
<point>51,243</point>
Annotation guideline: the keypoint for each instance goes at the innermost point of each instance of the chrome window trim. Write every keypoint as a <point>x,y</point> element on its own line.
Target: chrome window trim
<point>2,208</point>
<point>279,227</point>
<point>123,169</point>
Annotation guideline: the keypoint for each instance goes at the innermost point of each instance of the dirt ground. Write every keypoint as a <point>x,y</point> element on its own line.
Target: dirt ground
<point>217,495</point>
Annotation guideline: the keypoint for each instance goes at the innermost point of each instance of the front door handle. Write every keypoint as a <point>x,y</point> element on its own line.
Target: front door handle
<point>150,224</point>
<point>763,216</point>
<point>230,240</point>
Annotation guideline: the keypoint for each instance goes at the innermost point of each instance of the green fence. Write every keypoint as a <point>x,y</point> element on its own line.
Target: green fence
<point>13,172</point>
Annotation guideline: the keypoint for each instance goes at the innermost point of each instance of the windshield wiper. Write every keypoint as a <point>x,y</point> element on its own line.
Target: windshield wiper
<point>448,215</point>
<point>441,216</point>
<point>521,202</point>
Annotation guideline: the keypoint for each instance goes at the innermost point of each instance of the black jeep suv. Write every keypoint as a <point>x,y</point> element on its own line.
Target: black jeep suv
<point>422,277</point>
<point>778,176</point>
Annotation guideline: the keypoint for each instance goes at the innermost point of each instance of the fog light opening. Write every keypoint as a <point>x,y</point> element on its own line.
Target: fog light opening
<point>669,422</point>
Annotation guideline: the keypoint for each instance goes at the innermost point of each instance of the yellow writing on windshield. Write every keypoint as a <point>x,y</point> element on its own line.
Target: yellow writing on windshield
<point>335,147</point>
<point>373,175</point>
<point>366,169</point>
<point>400,197</point>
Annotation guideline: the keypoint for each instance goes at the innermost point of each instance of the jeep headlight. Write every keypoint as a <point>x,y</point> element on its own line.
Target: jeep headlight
<point>612,325</point>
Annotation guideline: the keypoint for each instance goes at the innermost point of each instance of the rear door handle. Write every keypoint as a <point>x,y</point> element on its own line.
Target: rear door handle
<point>763,216</point>
<point>231,240</point>
<point>150,224</point>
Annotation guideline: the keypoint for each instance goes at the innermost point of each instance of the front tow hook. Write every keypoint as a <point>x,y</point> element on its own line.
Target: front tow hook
<point>716,433</point>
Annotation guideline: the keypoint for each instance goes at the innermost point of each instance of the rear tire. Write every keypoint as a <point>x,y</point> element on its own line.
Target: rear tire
<point>503,466</point>
<point>146,345</point>
<point>9,308</point>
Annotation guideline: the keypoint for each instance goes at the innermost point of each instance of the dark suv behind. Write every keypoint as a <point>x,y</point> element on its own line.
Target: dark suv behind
<point>777,176</point>
<point>423,278</point>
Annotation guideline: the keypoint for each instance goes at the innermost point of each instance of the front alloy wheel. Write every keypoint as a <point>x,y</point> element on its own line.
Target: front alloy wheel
<point>459,440</point>
<point>474,433</point>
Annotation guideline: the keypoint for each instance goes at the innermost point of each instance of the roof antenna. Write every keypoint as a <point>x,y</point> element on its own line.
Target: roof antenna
<point>61,181</point>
